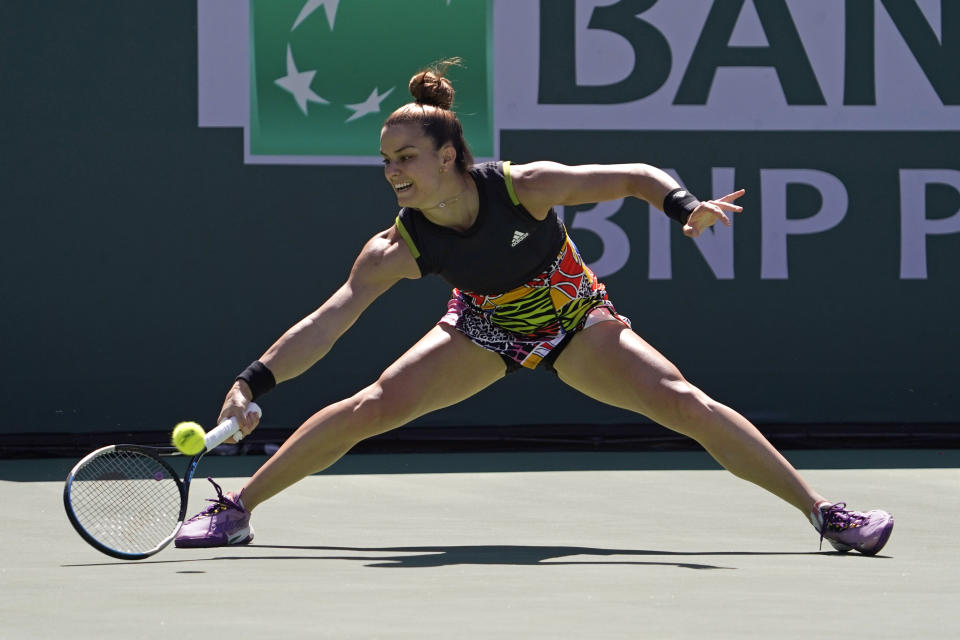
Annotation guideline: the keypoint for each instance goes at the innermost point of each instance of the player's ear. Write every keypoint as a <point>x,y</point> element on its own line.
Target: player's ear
<point>448,157</point>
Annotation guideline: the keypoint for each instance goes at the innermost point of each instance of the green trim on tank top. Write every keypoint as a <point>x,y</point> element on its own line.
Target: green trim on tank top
<point>406,238</point>
<point>509,182</point>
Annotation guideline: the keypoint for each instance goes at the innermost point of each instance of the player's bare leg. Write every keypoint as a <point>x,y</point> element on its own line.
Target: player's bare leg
<point>611,363</point>
<point>443,368</point>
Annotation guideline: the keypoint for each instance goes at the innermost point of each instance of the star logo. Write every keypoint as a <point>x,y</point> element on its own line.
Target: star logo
<point>298,84</point>
<point>368,106</point>
<point>329,6</point>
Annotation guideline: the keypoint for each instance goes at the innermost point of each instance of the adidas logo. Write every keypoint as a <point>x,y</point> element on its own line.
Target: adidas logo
<point>518,237</point>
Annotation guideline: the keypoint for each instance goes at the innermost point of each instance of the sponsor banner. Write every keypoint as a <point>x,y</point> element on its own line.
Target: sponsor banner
<point>324,73</point>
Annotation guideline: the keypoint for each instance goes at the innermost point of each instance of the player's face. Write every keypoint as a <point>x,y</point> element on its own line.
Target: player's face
<point>411,164</point>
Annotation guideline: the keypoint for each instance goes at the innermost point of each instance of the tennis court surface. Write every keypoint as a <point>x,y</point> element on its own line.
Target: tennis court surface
<point>506,545</point>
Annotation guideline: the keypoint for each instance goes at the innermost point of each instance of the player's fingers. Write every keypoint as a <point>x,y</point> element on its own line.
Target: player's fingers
<point>705,216</point>
<point>242,433</point>
<point>709,212</point>
<point>243,422</point>
<point>732,196</point>
<point>720,204</point>
<point>248,422</point>
<point>237,437</point>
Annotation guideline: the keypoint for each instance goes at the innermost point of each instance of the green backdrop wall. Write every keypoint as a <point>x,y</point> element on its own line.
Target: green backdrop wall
<point>144,263</point>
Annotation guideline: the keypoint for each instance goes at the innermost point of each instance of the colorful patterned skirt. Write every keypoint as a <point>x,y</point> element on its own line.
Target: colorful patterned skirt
<point>533,322</point>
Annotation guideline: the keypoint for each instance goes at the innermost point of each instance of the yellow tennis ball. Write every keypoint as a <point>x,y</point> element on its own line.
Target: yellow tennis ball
<point>188,438</point>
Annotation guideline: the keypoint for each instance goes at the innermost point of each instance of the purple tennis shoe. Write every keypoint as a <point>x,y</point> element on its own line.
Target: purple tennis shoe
<point>848,530</point>
<point>223,523</point>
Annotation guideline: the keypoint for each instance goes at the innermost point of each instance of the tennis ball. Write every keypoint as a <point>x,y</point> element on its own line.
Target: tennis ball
<point>188,438</point>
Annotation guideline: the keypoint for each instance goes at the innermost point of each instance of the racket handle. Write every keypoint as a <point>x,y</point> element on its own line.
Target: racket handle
<point>215,437</point>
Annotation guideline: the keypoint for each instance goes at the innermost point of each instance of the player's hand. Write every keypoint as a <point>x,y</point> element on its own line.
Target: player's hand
<point>235,405</point>
<point>709,211</point>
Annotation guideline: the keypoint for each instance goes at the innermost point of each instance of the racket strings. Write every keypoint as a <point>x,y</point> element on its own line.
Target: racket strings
<point>126,500</point>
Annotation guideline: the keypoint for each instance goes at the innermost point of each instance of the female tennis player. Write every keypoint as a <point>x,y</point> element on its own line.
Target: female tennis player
<point>522,299</point>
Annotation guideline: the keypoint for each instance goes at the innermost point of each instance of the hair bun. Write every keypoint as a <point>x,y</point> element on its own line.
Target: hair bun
<point>432,87</point>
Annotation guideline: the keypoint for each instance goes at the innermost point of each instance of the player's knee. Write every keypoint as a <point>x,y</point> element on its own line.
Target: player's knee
<point>684,406</point>
<point>376,408</point>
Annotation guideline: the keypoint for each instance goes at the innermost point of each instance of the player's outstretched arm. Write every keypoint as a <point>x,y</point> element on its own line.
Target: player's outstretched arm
<point>384,260</point>
<point>541,185</point>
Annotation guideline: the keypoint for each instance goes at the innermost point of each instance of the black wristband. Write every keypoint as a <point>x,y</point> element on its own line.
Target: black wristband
<point>259,378</point>
<point>679,204</point>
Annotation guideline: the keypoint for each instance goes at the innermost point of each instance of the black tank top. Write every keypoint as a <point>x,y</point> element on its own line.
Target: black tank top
<point>505,248</point>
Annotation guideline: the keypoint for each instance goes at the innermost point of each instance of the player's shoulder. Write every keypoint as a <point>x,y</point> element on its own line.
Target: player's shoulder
<point>386,255</point>
<point>537,184</point>
<point>537,169</point>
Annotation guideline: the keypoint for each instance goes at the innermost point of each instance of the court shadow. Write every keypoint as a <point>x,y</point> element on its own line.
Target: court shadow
<point>526,555</point>
<point>518,555</point>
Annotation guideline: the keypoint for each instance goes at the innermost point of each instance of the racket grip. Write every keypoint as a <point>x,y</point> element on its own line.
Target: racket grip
<point>215,437</point>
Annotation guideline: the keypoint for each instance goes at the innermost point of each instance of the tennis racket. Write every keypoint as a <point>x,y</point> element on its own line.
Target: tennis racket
<point>127,501</point>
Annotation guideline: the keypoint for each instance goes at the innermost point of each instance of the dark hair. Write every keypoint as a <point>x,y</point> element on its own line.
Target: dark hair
<point>432,110</point>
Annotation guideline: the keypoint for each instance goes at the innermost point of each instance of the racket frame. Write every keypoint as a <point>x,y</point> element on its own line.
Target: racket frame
<point>212,439</point>
<point>157,454</point>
